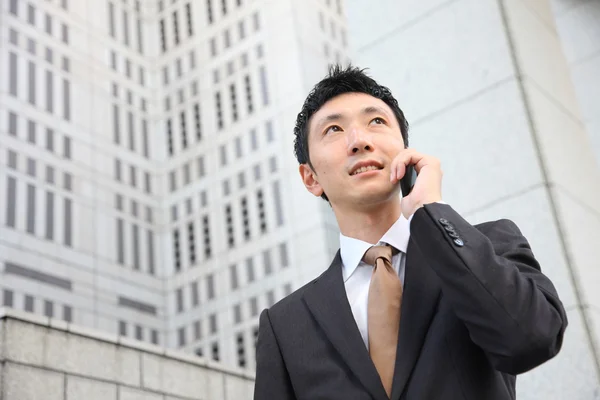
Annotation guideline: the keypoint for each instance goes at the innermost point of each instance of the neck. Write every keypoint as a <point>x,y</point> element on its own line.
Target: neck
<point>368,224</point>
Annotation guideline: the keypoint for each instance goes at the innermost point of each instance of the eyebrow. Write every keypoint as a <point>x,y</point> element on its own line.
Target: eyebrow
<point>337,116</point>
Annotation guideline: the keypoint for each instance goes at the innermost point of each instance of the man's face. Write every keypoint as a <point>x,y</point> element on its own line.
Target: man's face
<point>352,141</point>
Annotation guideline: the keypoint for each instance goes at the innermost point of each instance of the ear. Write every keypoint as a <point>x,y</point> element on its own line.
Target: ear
<point>309,178</point>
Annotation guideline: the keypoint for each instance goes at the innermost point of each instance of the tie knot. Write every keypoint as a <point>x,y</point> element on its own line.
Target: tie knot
<point>375,252</point>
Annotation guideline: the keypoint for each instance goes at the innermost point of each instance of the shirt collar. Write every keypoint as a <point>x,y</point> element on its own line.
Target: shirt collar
<point>352,250</point>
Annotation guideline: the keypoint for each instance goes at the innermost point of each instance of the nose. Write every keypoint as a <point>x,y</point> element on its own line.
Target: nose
<point>358,141</point>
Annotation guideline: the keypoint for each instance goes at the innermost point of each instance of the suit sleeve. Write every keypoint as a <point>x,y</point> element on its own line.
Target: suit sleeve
<point>272,379</point>
<point>495,286</point>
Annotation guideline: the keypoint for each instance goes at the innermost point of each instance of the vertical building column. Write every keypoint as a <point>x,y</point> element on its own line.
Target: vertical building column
<point>569,171</point>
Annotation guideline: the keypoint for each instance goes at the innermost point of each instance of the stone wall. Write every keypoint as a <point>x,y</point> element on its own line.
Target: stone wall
<point>42,358</point>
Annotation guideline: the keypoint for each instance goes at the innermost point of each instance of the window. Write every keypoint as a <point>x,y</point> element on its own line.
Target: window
<point>125,27</point>
<point>233,276</point>
<point>250,269</point>
<point>192,243</point>
<point>122,328</point>
<point>237,314</point>
<point>139,36</point>
<point>219,110</point>
<point>226,39</point>
<point>14,7</point>
<point>200,163</point>
<point>49,174</point>
<point>31,81</point>
<point>287,289</point>
<point>188,13</point>
<point>273,164</point>
<point>65,34</point>
<point>31,209</point>
<point>278,203</point>
<point>241,29</point>
<point>175,28</point>
<point>263,85</point>
<point>210,287</point>
<point>229,223</point>
<point>68,222</point>
<point>192,58</point>
<point>13,37</point>
<point>113,60</point>
<point>170,137</point>
<point>206,230</point>
<point>48,308</point>
<point>256,21</point>
<point>203,199</point>
<point>67,313</point>
<point>135,234</point>
<point>64,4</point>
<point>270,298</point>
<point>29,303</point>
<point>230,68</point>
<point>12,73</point>
<point>261,211</point>
<point>132,176</point>
<point>209,11</point>
<point>215,351</point>
<point>267,262</point>
<point>145,142</point>
<point>49,56</point>
<point>186,174</point>
<point>224,7</point>
<point>245,218</point>
<point>257,172</point>
<point>120,242</point>
<point>181,336</point>
<point>259,51</point>
<point>197,121</point>
<point>253,306</point>
<point>49,91</point>
<point>241,180</point>
<point>66,100</point>
<point>244,59</point>
<point>226,188</point>
<point>213,47</point>
<point>163,39</point>
<point>127,68</point>
<point>184,138</point>
<point>31,131</point>
<point>197,330</point>
<point>7,300</point>
<point>150,247</point>
<point>283,254</point>
<point>12,123</point>
<point>241,350</point>
<point>194,88</point>
<point>66,64</point>
<point>31,47</point>
<point>30,167</point>
<point>269,131</point>
<point>248,94</point>
<point>12,159</point>
<point>195,293</point>
<point>180,94</point>
<point>130,126</point>
<point>179,299</point>
<point>213,323</point>
<point>174,212</point>
<point>173,180</point>
<point>139,333</point>
<point>11,202</point>
<point>116,124</point>
<point>49,139</point>
<point>234,110</point>
<point>111,19</point>
<point>31,14</point>
<point>68,181</point>
<point>176,252</point>
<point>154,335</point>
<point>165,72</point>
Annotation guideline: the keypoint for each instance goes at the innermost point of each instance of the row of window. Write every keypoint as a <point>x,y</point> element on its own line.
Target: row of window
<point>31,45</point>
<point>31,304</point>
<point>50,136</point>
<point>133,176</point>
<point>223,6</point>
<point>172,74</point>
<point>143,107</point>
<point>134,209</point>
<point>252,274</point>
<point>135,246</point>
<point>333,29</point>
<point>171,23</point>
<point>188,206</point>
<point>125,121</point>
<point>189,232</point>
<point>32,18</point>
<point>54,87</point>
<point>138,332</point>
<point>126,66</point>
<point>227,40</point>
<point>228,68</point>
<point>189,127</point>
<point>126,33</point>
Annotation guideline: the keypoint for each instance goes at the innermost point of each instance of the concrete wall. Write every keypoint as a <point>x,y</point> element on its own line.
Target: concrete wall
<point>487,89</point>
<point>43,358</point>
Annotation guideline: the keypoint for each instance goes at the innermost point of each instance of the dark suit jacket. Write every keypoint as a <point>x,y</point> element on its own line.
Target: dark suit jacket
<point>473,317</point>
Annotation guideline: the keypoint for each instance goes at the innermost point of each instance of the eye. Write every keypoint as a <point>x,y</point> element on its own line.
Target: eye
<point>378,121</point>
<point>333,128</point>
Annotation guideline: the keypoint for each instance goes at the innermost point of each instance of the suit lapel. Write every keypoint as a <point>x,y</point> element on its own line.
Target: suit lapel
<point>419,301</point>
<point>327,300</point>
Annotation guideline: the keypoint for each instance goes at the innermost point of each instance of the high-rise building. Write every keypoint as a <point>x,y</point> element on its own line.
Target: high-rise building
<point>147,180</point>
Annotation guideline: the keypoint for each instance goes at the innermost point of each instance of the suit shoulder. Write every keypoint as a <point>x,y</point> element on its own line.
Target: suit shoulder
<point>290,302</point>
<point>501,225</point>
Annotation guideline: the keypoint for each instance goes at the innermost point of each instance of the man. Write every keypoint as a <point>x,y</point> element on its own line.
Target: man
<point>417,303</point>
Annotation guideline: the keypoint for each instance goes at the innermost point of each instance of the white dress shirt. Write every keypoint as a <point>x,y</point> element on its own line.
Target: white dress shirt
<point>357,274</point>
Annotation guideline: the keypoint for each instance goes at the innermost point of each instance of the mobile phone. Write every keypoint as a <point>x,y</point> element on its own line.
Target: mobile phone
<point>408,180</point>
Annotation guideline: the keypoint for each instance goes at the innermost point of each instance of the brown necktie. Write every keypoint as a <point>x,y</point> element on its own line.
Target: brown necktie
<point>383,313</point>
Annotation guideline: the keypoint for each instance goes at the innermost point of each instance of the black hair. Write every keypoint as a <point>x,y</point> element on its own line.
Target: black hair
<point>339,81</point>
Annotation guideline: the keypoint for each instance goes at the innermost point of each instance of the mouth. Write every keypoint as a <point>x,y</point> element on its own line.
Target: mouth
<point>364,169</point>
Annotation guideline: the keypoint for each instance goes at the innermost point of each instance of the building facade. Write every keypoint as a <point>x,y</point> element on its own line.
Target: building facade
<point>147,175</point>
